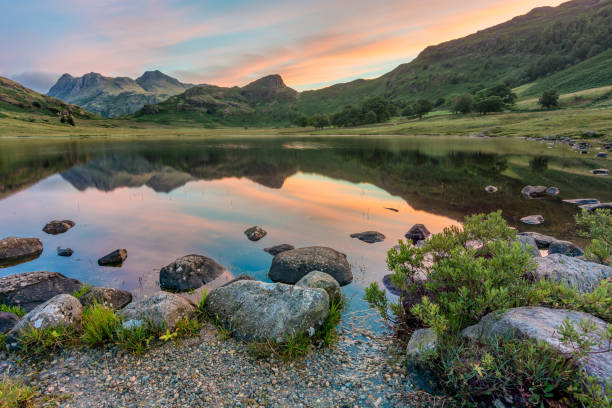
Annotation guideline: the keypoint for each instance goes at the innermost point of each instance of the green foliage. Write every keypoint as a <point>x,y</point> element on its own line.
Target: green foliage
<point>202,302</point>
<point>41,342</point>
<point>138,338</point>
<point>422,107</point>
<point>82,290</point>
<point>461,103</point>
<point>598,227</point>
<point>584,337</point>
<point>319,121</point>
<point>16,310</point>
<point>100,325</point>
<point>188,327</point>
<point>371,110</point>
<point>301,121</point>
<point>487,104</point>
<point>70,120</point>
<point>549,99</point>
<point>14,394</point>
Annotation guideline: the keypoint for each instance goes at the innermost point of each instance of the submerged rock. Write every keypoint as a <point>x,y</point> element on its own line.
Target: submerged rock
<point>277,249</point>
<point>601,172</point>
<point>542,241</point>
<point>418,232</point>
<point>392,209</point>
<point>370,237</point>
<point>115,258</point>
<point>534,191</point>
<point>161,309</point>
<point>64,252</point>
<point>58,227</point>
<point>582,201</point>
<point>114,298</point>
<point>258,311</point>
<point>533,220</point>
<point>13,249</point>
<point>291,266</point>
<point>321,280</point>
<point>189,272</point>
<point>255,233</point>
<point>421,342</point>
<point>7,321</point>
<point>542,324</point>
<point>574,272</point>
<point>564,248</point>
<point>31,289</point>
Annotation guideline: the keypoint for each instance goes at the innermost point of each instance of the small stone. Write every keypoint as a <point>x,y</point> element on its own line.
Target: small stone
<point>601,172</point>
<point>58,227</point>
<point>491,189</point>
<point>552,191</point>
<point>534,191</point>
<point>533,220</point>
<point>418,232</point>
<point>64,251</point>
<point>255,233</point>
<point>115,258</point>
<point>370,237</point>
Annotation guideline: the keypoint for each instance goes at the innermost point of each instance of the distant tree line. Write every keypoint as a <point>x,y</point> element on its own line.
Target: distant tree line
<point>372,110</point>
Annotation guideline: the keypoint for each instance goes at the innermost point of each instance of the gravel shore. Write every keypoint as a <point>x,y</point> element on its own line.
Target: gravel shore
<point>361,370</point>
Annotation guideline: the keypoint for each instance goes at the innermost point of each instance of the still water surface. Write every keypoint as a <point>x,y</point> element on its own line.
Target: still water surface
<point>164,199</point>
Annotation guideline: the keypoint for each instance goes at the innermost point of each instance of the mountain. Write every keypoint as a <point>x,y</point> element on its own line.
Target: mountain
<point>16,97</point>
<point>110,97</point>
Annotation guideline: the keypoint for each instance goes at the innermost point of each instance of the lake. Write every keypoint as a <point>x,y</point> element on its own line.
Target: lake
<point>162,199</point>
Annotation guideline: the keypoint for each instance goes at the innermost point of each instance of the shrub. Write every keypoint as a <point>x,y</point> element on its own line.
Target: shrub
<point>549,99</point>
<point>16,310</point>
<point>100,324</point>
<point>598,227</point>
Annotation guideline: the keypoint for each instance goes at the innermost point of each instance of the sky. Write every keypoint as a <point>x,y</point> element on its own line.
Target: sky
<point>312,43</point>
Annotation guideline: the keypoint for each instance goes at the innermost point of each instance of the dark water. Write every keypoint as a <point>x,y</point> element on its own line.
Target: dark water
<point>164,199</point>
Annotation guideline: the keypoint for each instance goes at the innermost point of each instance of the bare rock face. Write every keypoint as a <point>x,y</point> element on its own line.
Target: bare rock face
<point>370,237</point>
<point>418,232</point>
<point>61,310</point>
<point>542,324</point>
<point>110,297</point>
<point>291,266</point>
<point>277,249</point>
<point>534,191</point>
<point>581,275</point>
<point>115,258</point>
<point>258,311</point>
<point>58,227</point>
<point>189,272</point>
<point>321,280</point>
<point>13,249</point>
<point>30,289</point>
<point>161,309</point>
<point>255,233</point>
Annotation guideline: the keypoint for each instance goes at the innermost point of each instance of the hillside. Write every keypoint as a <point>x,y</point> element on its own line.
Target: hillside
<point>110,97</point>
<point>15,97</point>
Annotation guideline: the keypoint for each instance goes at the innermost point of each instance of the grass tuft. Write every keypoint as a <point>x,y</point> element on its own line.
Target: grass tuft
<point>16,395</point>
<point>17,310</point>
<point>41,342</point>
<point>82,290</point>
<point>100,324</point>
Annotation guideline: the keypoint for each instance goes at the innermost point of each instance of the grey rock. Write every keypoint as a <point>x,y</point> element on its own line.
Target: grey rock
<point>418,232</point>
<point>600,172</point>
<point>277,249</point>
<point>64,252</point>
<point>291,266</point>
<point>239,278</point>
<point>582,201</point>
<point>533,220</point>
<point>533,191</point>
<point>574,272</point>
<point>255,233</point>
<point>491,189</point>
<point>61,310</point>
<point>552,191</point>
<point>114,298</point>
<point>321,280</point>
<point>30,289</point>
<point>161,309</point>
<point>529,245</point>
<point>7,321</point>
<point>598,206</point>
<point>258,311</point>
<point>602,155</point>
<point>58,227</point>
<point>370,237</point>
<point>115,258</point>
<point>542,324</point>
<point>564,248</point>
<point>13,249</point>
<point>421,342</point>
<point>542,241</point>
<point>189,272</point>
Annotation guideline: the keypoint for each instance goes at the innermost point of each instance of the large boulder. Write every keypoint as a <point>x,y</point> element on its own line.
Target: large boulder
<point>30,289</point>
<point>259,311</point>
<point>542,241</point>
<point>255,233</point>
<point>574,272</point>
<point>291,266</point>
<point>58,227</point>
<point>418,232</point>
<point>189,272</point>
<point>110,297</point>
<point>421,342</point>
<point>13,249</point>
<point>542,324</point>
<point>321,280</point>
<point>534,191</point>
<point>7,321</point>
<point>277,249</point>
<point>564,248</point>
<point>161,309</point>
<point>115,258</point>
<point>61,310</point>
<point>529,245</point>
<point>370,237</point>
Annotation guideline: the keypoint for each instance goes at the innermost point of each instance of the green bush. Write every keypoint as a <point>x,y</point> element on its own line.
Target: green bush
<point>597,226</point>
<point>16,310</point>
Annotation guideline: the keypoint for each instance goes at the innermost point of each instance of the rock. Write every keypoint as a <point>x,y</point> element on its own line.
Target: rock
<point>110,297</point>
<point>277,249</point>
<point>542,324</point>
<point>584,152</point>
<point>533,220</point>
<point>291,266</point>
<point>601,172</point>
<point>608,146</point>
<point>61,310</point>
<point>161,309</point>
<point>30,289</point>
<point>370,237</point>
<point>13,249</point>
<point>552,191</point>
<point>529,245</point>
<point>64,251</point>
<point>58,227</point>
<point>598,206</point>
<point>390,286</point>
<point>534,191</point>
<point>542,241</point>
<point>321,280</point>
<point>7,321</point>
<point>591,133</point>
<point>392,209</point>
<point>239,278</point>
<point>189,272</point>
<point>574,272</point>
<point>491,189</point>
<point>564,248</point>
<point>418,232</point>
<point>255,233</point>
<point>421,342</point>
<point>115,258</point>
<point>259,311</point>
<point>602,155</point>
<point>582,201</point>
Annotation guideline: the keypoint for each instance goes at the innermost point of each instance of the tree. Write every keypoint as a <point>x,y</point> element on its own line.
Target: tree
<point>301,121</point>
<point>71,120</point>
<point>370,117</point>
<point>380,106</point>
<point>408,111</point>
<point>549,99</point>
<point>485,104</point>
<point>422,107</point>
<point>462,103</point>
<point>348,116</point>
<point>319,121</point>
<point>504,92</point>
